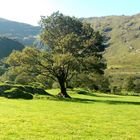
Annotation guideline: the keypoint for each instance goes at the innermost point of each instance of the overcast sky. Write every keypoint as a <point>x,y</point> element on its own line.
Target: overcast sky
<point>29,11</point>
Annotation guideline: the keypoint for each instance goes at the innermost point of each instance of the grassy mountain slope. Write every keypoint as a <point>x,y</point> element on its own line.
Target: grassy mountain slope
<point>122,35</point>
<point>22,32</point>
<point>123,39</point>
<point>8,45</point>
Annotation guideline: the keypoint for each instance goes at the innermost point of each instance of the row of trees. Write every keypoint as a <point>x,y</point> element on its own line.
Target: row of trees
<point>73,49</point>
<point>124,84</point>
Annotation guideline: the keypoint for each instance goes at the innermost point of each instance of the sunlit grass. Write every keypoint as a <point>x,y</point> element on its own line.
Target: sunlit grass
<point>85,117</point>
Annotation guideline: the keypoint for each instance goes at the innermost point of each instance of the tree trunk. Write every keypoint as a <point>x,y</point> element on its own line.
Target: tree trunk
<point>63,92</point>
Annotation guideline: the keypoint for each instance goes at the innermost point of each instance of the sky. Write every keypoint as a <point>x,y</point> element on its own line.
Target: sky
<point>29,11</point>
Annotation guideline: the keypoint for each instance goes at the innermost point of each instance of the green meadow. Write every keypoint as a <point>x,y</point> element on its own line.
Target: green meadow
<point>90,116</point>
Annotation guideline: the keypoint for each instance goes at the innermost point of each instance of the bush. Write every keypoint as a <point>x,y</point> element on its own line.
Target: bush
<point>37,85</point>
<point>132,84</point>
<point>82,92</point>
<point>137,85</point>
<point>128,84</point>
<point>4,87</point>
<point>27,89</point>
<point>20,91</point>
<point>104,86</point>
<point>116,90</point>
<point>32,90</point>
<point>16,93</point>
<point>40,91</point>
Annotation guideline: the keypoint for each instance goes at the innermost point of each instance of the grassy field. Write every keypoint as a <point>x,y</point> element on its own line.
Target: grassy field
<point>85,117</point>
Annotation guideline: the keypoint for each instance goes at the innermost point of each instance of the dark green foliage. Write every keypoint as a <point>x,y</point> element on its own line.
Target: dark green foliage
<point>83,92</point>
<point>129,84</point>
<point>8,45</point>
<point>23,78</point>
<point>137,85</point>
<point>123,84</point>
<point>104,85</point>
<point>116,90</point>
<point>92,81</point>
<point>37,85</point>
<point>40,91</point>
<point>20,91</point>
<point>25,88</point>
<point>16,93</point>
<point>10,91</point>
<point>33,90</point>
<point>132,84</point>
<point>4,87</point>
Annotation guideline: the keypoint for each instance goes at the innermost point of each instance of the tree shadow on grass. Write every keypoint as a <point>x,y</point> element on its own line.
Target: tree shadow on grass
<point>100,95</point>
<point>91,101</point>
<point>95,95</point>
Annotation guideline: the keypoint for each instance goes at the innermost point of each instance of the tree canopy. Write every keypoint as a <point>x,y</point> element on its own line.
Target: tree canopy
<point>72,47</point>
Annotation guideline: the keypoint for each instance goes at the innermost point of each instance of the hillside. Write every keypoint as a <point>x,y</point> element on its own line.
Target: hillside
<point>123,39</point>
<point>8,45</point>
<point>21,32</point>
<point>122,35</point>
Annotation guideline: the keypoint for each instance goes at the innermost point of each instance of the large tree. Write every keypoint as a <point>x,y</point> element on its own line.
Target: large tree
<point>72,47</point>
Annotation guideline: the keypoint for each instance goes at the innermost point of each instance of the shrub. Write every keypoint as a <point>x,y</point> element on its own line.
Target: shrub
<point>104,86</point>
<point>82,92</point>
<point>128,84</point>
<point>132,84</point>
<point>116,90</point>
<point>37,85</point>
<point>137,85</point>
<point>32,90</point>
<point>40,91</point>
<point>16,93</point>
<point>28,89</point>
<point>20,91</point>
<point>4,87</point>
